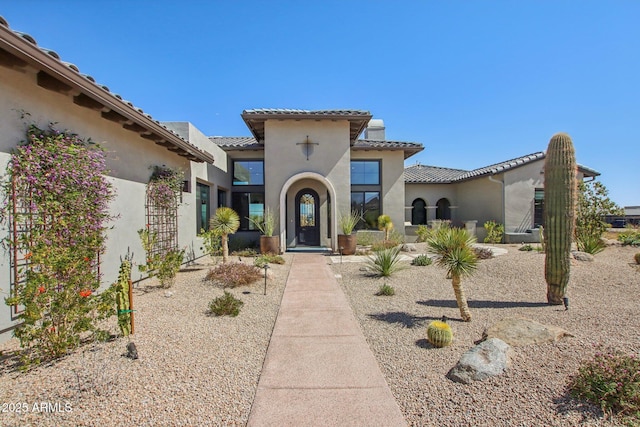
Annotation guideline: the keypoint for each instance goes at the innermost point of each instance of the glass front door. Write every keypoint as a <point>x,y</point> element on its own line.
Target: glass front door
<point>307,219</point>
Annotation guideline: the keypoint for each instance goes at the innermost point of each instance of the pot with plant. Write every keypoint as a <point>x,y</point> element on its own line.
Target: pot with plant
<point>347,241</point>
<point>269,244</point>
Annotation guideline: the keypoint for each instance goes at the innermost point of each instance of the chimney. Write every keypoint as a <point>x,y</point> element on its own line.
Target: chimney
<point>375,130</point>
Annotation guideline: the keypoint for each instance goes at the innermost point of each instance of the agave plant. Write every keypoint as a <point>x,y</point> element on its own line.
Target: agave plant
<point>385,262</point>
<point>453,245</point>
<point>225,221</point>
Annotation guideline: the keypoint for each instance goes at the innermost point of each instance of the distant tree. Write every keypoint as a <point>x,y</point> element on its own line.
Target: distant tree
<point>593,205</point>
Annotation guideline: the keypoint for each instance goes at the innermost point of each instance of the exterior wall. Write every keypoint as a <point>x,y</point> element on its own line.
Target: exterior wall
<point>480,200</point>
<point>129,158</point>
<point>392,183</point>
<point>285,159</point>
<point>519,187</point>
<point>430,193</point>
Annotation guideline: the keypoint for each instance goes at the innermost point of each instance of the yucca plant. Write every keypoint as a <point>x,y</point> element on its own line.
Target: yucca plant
<point>385,262</point>
<point>453,245</point>
<point>385,224</point>
<point>225,221</point>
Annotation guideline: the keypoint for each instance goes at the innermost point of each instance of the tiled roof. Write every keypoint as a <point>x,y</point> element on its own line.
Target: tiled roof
<point>419,174</point>
<point>409,148</point>
<point>255,119</point>
<point>19,49</point>
<point>295,112</point>
<point>236,142</point>
<point>422,174</point>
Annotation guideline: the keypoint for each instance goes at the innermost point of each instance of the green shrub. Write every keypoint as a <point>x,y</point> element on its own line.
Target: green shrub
<point>629,238</point>
<point>526,248</point>
<point>265,259</point>
<point>611,380</point>
<point>421,260</point>
<point>233,274</point>
<point>385,262</point>
<point>423,233</point>
<point>494,232</point>
<point>212,241</point>
<point>590,244</point>
<point>225,305</point>
<point>386,290</point>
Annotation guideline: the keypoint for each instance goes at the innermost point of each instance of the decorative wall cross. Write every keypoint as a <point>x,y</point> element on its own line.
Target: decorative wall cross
<point>307,145</point>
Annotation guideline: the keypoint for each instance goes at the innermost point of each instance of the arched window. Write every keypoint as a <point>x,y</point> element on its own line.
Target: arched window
<point>419,212</point>
<point>443,209</point>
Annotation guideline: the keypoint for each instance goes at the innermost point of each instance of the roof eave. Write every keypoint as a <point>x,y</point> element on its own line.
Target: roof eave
<point>34,56</point>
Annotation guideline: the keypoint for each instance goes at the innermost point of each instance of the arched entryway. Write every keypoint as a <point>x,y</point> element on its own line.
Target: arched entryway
<point>307,217</point>
<point>443,209</point>
<point>419,212</point>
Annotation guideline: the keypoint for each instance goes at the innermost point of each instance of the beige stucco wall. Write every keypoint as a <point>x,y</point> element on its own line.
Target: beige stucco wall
<point>392,183</point>
<point>430,193</point>
<point>285,159</point>
<point>519,187</point>
<point>129,158</point>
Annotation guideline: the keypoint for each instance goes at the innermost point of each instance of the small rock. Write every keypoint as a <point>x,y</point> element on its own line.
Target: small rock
<point>408,247</point>
<point>132,351</point>
<point>489,358</point>
<point>517,331</point>
<point>582,256</point>
<point>168,294</point>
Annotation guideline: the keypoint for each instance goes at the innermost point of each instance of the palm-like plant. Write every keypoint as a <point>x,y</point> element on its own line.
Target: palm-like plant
<point>385,262</point>
<point>456,255</point>
<point>385,224</point>
<point>225,221</point>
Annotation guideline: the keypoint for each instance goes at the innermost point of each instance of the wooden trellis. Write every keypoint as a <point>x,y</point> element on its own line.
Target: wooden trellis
<point>163,221</point>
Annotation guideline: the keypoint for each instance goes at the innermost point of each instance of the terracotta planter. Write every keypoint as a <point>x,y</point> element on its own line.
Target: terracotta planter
<point>269,244</point>
<point>348,243</point>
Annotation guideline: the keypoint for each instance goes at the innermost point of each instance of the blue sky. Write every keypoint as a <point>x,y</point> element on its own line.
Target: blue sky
<point>476,82</point>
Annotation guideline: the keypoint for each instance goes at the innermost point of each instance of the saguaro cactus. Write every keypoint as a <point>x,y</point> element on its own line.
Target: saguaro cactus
<point>560,187</point>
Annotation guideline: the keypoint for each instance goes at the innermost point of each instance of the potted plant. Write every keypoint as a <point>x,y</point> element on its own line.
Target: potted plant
<point>269,244</point>
<point>347,241</point>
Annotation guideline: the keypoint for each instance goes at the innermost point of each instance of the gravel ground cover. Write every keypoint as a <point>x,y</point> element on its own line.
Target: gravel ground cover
<point>604,309</point>
<point>193,369</point>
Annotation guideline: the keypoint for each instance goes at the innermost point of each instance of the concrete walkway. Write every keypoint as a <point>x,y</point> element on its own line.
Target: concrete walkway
<point>319,370</point>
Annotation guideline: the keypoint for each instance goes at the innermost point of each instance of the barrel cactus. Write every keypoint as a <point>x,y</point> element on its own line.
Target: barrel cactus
<point>560,187</point>
<point>439,333</point>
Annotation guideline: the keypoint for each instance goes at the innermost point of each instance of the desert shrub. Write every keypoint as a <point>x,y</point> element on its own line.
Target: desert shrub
<point>636,257</point>
<point>611,380</point>
<point>421,260</point>
<point>233,274</point>
<point>225,305</point>
<point>423,233</point>
<point>526,248</point>
<point>246,252</point>
<point>385,262</point>
<point>494,232</point>
<point>591,244</point>
<point>265,259</point>
<point>367,238</point>
<point>396,237</point>
<point>386,290</point>
<point>212,241</point>
<point>593,204</point>
<point>382,245</point>
<point>483,253</point>
<point>629,238</point>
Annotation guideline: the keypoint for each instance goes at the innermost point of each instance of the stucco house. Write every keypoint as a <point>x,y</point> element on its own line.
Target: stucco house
<point>509,192</point>
<point>309,167</point>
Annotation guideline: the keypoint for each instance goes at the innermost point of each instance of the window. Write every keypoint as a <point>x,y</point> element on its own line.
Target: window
<point>222,198</point>
<point>365,172</point>
<point>443,209</point>
<point>203,207</point>
<point>538,208</point>
<point>367,203</point>
<point>419,212</point>
<point>248,172</point>
<point>248,205</point>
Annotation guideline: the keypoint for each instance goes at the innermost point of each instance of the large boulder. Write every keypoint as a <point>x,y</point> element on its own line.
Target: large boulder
<point>518,331</point>
<point>489,358</point>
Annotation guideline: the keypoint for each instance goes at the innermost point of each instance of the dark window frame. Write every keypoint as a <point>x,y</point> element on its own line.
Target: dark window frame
<point>378,163</point>
<point>242,183</point>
